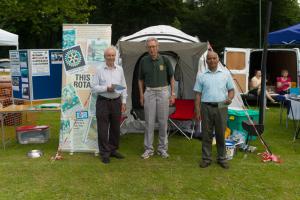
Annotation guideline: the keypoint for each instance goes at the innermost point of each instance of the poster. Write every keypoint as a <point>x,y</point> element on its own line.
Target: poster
<point>40,63</point>
<point>33,70</point>
<point>70,101</point>
<point>56,58</point>
<point>80,81</point>
<point>14,63</point>
<point>25,91</point>
<point>15,83</point>
<point>73,60</point>
<point>96,49</point>
<point>69,38</point>
<point>24,66</point>
<point>83,51</point>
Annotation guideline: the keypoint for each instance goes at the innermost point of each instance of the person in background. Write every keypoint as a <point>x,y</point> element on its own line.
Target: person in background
<point>156,74</point>
<point>111,102</point>
<point>214,92</point>
<point>255,86</point>
<point>283,83</point>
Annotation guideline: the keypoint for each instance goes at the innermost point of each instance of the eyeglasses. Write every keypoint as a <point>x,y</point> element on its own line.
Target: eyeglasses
<point>152,47</point>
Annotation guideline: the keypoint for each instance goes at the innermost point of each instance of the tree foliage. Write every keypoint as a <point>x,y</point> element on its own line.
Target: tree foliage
<point>39,22</point>
<point>222,22</point>
<point>236,23</point>
<point>129,16</point>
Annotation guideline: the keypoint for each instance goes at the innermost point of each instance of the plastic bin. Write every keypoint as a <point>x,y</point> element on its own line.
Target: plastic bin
<point>230,149</point>
<point>236,117</point>
<point>33,134</point>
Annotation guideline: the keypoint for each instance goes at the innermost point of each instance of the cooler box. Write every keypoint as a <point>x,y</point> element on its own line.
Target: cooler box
<point>236,117</point>
<point>33,134</point>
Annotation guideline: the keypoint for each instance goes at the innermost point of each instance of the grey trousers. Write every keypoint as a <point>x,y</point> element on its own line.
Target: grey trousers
<point>213,118</point>
<point>156,106</point>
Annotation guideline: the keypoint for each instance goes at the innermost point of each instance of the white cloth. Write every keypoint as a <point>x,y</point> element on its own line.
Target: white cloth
<point>295,106</point>
<point>105,77</point>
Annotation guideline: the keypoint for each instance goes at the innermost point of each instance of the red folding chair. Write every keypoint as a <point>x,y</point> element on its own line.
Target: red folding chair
<point>184,111</point>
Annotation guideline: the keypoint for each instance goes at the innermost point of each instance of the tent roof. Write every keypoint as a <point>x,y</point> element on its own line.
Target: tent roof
<point>8,39</point>
<point>163,33</point>
<point>290,35</point>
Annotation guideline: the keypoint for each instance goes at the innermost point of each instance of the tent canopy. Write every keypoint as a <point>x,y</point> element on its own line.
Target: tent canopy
<point>163,33</point>
<point>290,35</point>
<point>8,39</point>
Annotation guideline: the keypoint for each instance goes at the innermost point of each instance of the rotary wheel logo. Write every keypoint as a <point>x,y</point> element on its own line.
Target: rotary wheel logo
<point>73,58</point>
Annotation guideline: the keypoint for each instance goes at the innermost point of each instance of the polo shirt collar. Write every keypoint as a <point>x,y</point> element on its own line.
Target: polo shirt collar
<point>157,58</point>
<point>219,69</point>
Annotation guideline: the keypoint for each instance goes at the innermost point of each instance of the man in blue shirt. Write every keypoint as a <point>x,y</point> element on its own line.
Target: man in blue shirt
<point>214,92</point>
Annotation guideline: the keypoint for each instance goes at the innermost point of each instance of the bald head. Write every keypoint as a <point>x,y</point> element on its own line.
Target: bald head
<point>212,60</point>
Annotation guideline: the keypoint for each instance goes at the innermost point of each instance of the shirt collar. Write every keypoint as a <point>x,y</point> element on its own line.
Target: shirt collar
<point>106,67</point>
<point>157,58</point>
<point>219,69</point>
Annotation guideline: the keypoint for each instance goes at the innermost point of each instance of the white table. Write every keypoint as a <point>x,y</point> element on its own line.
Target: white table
<point>294,114</point>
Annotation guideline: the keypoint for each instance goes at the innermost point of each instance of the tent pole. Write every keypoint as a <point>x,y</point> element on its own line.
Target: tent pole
<point>263,66</point>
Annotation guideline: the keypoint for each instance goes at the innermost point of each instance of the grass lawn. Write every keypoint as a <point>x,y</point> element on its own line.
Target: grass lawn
<point>83,176</point>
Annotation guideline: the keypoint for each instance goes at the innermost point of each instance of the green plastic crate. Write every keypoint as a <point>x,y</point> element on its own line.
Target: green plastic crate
<point>236,117</point>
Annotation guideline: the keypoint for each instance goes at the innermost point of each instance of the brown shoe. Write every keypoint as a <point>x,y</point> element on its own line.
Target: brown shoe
<point>224,165</point>
<point>204,164</point>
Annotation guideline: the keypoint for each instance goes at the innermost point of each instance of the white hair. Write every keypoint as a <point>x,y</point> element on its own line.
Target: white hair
<point>110,48</point>
<point>149,39</point>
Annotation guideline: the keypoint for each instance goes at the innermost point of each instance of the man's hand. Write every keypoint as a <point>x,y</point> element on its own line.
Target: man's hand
<point>142,100</point>
<point>110,88</point>
<point>228,101</point>
<point>123,107</point>
<point>197,115</point>
<point>172,100</point>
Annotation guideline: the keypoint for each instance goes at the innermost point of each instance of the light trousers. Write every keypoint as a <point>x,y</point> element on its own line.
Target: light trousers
<point>156,106</point>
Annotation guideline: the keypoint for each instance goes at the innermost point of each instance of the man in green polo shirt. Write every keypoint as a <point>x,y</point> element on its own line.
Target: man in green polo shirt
<point>156,74</point>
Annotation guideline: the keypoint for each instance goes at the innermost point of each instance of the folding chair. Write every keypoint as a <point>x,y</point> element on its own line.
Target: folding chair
<point>184,111</point>
<point>122,119</point>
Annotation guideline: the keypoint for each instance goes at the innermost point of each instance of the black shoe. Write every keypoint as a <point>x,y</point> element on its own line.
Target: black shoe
<point>204,164</point>
<point>117,155</point>
<point>105,160</point>
<point>224,165</point>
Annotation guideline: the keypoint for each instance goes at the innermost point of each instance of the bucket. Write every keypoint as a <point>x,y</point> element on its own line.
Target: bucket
<point>230,149</point>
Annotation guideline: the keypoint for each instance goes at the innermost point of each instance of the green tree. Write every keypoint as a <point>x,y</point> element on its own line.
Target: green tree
<point>129,16</point>
<point>39,22</point>
<point>235,23</point>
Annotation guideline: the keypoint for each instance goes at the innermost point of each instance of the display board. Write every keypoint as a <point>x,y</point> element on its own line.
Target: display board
<point>36,73</point>
<point>83,49</point>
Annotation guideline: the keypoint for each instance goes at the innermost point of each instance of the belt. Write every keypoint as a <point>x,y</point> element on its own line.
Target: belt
<point>107,99</point>
<point>212,104</point>
<point>157,88</point>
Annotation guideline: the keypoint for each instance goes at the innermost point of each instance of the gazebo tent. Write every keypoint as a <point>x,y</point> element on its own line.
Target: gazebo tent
<point>289,35</point>
<point>182,50</point>
<point>8,39</point>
